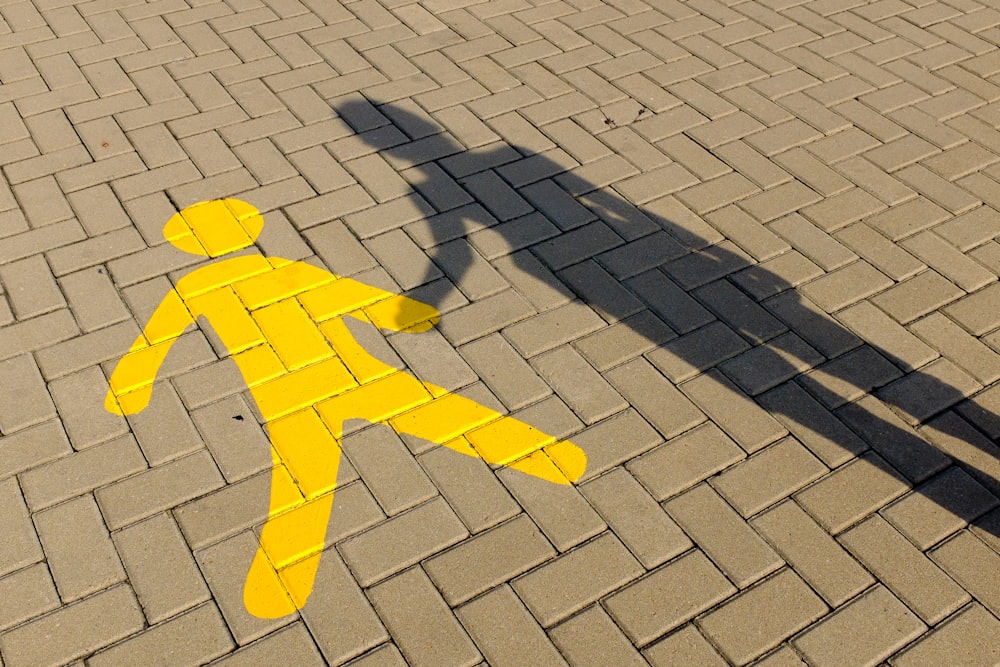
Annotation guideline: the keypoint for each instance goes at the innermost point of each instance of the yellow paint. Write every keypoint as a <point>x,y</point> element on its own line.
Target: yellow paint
<point>292,334</point>
<point>282,321</point>
<point>229,318</point>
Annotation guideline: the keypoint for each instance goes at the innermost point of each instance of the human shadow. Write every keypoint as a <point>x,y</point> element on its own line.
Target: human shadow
<point>696,303</point>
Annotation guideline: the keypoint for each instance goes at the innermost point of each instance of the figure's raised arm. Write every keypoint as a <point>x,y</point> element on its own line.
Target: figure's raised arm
<point>131,383</point>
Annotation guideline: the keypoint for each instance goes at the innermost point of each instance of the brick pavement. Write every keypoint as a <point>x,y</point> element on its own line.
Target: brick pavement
<point>744,254</point>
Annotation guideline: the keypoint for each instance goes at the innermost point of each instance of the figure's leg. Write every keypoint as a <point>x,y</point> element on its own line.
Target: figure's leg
<point>298,515</point>
<point>458,422</point>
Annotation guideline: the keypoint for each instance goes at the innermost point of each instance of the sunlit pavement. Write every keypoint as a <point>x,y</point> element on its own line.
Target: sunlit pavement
<point>587,333</point>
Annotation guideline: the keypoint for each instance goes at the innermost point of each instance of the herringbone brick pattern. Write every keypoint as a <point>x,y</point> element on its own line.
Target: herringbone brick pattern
<point>745,254</point>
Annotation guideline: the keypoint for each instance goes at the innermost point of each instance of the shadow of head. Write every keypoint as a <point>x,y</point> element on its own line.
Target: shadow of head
<point>677,294</point>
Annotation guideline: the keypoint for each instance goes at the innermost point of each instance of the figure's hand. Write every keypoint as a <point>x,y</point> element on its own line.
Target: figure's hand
<point>401,313</point>
<point>130,403</point>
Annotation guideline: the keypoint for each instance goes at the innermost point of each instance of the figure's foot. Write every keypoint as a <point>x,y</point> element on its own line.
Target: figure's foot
<point>264,596</point>
<point>284,569</point>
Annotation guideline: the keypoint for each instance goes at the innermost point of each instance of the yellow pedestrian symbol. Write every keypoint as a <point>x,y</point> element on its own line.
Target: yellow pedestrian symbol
<point>282,322</point>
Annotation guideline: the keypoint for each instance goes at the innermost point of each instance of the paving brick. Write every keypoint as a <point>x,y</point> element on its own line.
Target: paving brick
<point>655,398</point>
<point>785,467</point>
<point>812,553</point>
<point>37,333</point>
<point>160,568</point>
<point>557,589</point>
<point>639,255</point>
<point>27,593</point>
<point>889,338</point>
<point>504,371</point>
<point>624,340</point>
<point>956,438</point>
<point>591,639</point>
<point>763,616</point>
<point>93,299</point>
<point>731,544</point>
<point>488,560</point>
<point>164,430</point>
<point>963,557</point>
<point>636,518</point>
<point>686,646</point>
<point>970,229</point>
<point>764,367</point>
<point>903,220</point>
<point>716,193</point>
<point>237,443</point>
<point>74,631</point>
<point>685,461</point>
<point>64,530</point>
<point>552,328</point>
<point>955,266</point>
<point>420,622</point>
<point>383,551</point>
<point>81,472</point>
<point>968,636</point>
<point>563,515</point>
<point>741,418</point>
<point>225,566</point>
<point>670,302</point>
<point>293,644</point>
<point>824,644</point>
<point>851,492</point>
<point>577,245</point>
<point>338,615</point>
<point>159,488</point>
<point>21,548</point>
<point>31,403</point>
<point>231,509</point>
<point>976,311</point>
<point>812,424</point>
<point>470,487</point>
<point>194,638</point>
<point>894,439</point>
<point>577,383</point>
<point>904,569</point>
<point>484,317</point>
<point>431,358</point>
<point>388,469</point>
<point>776,275</point>
<point>30,288</point>
<point>849,377</point>
<point>32,447</point>
<point>922,294</point>
<point>818,246</point>
<point>505,631</point>
<point>84,351</point>
<point>677,591</point>
<point>937,386</point>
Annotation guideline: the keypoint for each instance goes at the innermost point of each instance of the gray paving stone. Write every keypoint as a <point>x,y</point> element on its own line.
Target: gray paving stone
<point>72,526</point>
<point>572,581</point>
<point>678,591</point>
<point>402,541</point>
<point>421,623</point>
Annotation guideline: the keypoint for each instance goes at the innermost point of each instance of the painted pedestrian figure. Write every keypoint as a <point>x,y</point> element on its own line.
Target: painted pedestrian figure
<point>282,323</point>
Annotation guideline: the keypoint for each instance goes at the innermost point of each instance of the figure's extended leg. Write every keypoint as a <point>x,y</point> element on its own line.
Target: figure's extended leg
<point>298,515</point>
<point>455,421</point>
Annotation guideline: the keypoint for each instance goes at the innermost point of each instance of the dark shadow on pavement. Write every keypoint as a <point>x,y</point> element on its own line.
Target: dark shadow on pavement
<point>689,300</point>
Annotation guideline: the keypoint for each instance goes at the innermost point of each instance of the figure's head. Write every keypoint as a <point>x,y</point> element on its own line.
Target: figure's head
<point>214,228</point>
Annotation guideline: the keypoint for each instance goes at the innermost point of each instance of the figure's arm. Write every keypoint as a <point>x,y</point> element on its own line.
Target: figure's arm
<point>346,296</point>
<point>131,383</point>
